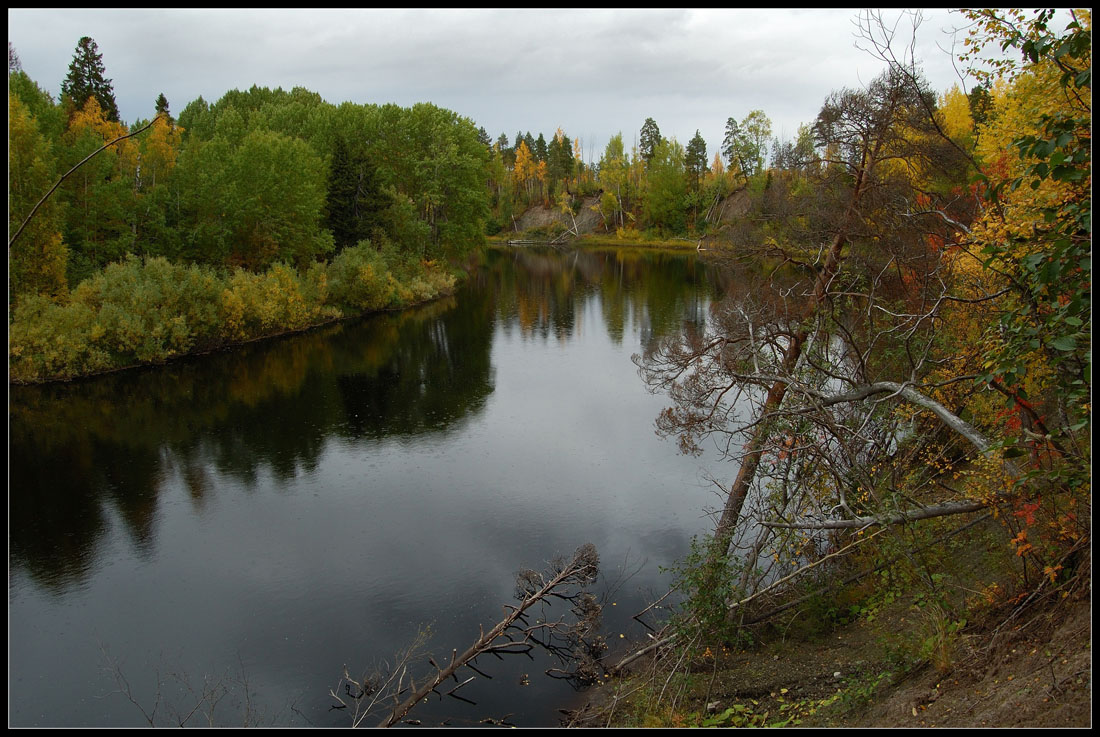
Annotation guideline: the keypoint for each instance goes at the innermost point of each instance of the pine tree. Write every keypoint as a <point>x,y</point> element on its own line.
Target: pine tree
<point>696,159</point>
<point>650,137</point>
<point>85,79</point>
<point>14,65</point>
<point>355,200</point>
<point>162,106</point>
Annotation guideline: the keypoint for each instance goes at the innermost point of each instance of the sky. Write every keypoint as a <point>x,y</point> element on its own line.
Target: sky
<point>594,73</point>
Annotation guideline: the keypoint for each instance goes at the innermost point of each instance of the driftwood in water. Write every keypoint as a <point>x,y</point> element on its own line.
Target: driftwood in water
<point>514,634</point>
<point>566,235</point>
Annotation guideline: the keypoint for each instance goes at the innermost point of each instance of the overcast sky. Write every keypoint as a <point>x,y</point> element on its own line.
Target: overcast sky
<point>592,72</point>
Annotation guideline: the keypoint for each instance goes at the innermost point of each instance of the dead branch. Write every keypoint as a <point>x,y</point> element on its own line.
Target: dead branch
<point>511,635</point>
<point>942,510</point>
<point>64,176</point>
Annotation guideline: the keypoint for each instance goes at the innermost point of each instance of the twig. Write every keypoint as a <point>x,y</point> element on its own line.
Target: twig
<point>70,171</point>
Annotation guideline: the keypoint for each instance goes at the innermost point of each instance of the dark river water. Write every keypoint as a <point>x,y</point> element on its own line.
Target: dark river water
<point>258,519</point>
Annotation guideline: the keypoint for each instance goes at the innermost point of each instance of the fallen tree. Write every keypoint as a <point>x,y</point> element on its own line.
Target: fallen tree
<point>397,692</point>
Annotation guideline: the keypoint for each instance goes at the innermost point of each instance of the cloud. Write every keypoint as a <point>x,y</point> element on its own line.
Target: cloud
<point>593,72</point>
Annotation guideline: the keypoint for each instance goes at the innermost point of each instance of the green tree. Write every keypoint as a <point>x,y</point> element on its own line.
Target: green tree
<point>758,130</point>
<point>253,203</point>
<point>37,260</point>
<point>614,177</point>
<point>560,162</point>
<point>162,106</point>
<point>666,187</point>
<point>86,79</point>
<point>355,201</point>
<point>649,138</point>
<point>48,115</point>
<point>100,194</point>
<point>731,148</point>
<point>541,150</point>
<point>981,103</point>
<point>696,160</point>
<point>746,143</point>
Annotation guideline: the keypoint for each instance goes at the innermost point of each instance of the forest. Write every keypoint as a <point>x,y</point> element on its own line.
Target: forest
<point>916,345</point>
<point>265,212</point>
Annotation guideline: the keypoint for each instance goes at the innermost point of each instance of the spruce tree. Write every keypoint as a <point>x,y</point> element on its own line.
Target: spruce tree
<point>355,199</point>
<point>540,150</point>
<point>162,106</point>
<point>696,159</point>
<point>650,137</point>
<point>86,79</point>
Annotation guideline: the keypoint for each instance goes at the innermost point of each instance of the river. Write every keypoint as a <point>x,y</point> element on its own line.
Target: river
<point>247,523</point>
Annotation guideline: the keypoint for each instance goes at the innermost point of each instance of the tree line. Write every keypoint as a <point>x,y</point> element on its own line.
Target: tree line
<point>266,211</point>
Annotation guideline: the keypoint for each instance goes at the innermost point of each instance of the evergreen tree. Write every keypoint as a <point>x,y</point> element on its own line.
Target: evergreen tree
<point>14,65</point>
<point>560,162</point>
<point>162,106</point>
<point>696,159</point>
<point>541,150</point>
<point>730,142</point>
<point>507,153</point>
<point>981,102</point>
<point>483,136</point>
<point>650,137</point>
<point>354,201</point>
<point>85,79</point>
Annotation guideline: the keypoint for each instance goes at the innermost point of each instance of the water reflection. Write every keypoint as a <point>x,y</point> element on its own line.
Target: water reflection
<point>304,501</point>
<point>79,449</point>
<point>656,291</point>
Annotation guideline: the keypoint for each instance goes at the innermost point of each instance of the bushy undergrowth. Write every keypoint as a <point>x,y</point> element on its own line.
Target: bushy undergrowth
<point>148,311</point>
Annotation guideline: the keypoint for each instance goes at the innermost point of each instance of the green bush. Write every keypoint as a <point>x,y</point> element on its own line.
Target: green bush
<point>52,341</point>
<point>359,279</point>
<point>153,310</point>
<point>136,311</point>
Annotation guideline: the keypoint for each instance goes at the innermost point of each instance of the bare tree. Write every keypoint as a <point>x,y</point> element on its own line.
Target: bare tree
<point>799,378</point>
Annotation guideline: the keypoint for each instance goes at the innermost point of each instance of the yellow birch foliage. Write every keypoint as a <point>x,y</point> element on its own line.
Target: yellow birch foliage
<point>160,148</point>
<point>37,259</point>
<point>954,117</point>
<point>91,119</point>
<point>524,167</point>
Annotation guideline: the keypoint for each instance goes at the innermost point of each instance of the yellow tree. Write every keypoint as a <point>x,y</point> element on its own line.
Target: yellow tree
<point>953,115</point>
<point>524,169</point>
<point>37,259</point>
<point>99,228</point>
<point>1031,246</point>
<point>158,152</point>
<point>540,175</point>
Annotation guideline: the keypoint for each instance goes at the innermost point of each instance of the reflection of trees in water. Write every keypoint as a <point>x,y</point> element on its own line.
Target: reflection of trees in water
<point>79,449</point>
<point>653,291</point>
<point>82,449</point>
<point>435,374</point>
<point>54,519</point>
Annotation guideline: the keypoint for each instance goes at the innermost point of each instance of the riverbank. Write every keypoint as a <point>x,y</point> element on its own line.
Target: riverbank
<point>988,656</point>
<point>142,312</point>
<point>606,240</point>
